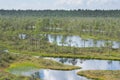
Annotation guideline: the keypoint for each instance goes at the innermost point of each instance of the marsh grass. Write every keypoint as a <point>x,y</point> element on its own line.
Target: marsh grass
<point>101,74</point>
<point>24,63</point>
<point>85,55</point>
<point>9,76</point>
<point>38,64</point>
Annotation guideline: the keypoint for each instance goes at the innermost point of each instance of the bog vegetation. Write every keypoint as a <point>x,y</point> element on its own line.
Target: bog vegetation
<point>26,31</point>
<point>11,62</point>
<point>101,75</point>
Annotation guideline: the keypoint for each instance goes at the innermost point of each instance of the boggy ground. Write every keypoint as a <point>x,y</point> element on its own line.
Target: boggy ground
<point>11,62</point>
<point>101,74</point>
<point>8,76</point>
<point>113,55</point>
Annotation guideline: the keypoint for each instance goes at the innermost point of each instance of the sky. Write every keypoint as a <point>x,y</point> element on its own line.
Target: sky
<point>60,4</point>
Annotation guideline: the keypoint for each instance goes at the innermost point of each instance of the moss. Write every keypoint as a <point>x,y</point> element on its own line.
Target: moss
<point>37,63</point>
<point>84,55</point>
<point>24,62</point>
<point>24,66</point>
<point>8,76</point>
<point>101,74</point>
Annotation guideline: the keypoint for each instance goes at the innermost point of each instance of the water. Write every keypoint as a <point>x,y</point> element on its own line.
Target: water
<point>22,36</point>
<point>71,75</point>
<point>90,64</point>
<point>59,75</point>
<point>47,74</point>
<point>77,41</point>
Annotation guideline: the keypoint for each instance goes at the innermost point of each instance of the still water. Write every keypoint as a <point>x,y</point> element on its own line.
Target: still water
<point>85,64</point>
<point>90,64</point>
<point>59,75</point>
<point>47,74</point>
<point>77,41</point>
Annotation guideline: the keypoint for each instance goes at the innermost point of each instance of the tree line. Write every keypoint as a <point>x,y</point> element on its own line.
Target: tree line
<point>61,13</point>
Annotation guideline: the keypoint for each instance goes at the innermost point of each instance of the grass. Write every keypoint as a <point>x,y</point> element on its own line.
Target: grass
<point>24,66</point>
<point>9,76</point>
<point>114,55</point>
<point>48,51</point>
<point>32,62</point>
<point>94,56</point>
<point>101,74</point>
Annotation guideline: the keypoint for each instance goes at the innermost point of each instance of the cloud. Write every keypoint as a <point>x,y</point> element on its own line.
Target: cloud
<point>98,2</point>
<point>103,4</point>
<point>89,4</point>
<point>60,4</point>
<point>70,2</point>
<point>83,2</point>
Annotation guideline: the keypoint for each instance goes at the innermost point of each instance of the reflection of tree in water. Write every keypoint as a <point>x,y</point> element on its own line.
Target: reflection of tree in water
<point>35,76</point>
<point>71,61</point>
<point>75,61</point>
<point>81,61</point>
<point>63,60</point>
<point>109,62</point>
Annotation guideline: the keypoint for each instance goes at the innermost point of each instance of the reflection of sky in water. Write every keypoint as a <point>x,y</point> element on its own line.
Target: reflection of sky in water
<point>60,75</point>
<point>85,64</point>
<point>90,64</point>
<point>47,74</point>
<point>24,73</point>
<point>79,42</point>
<point>75,41</point>
<point>22,36</point>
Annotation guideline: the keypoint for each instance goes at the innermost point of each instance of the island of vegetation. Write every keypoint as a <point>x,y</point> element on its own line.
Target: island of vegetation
<point>10,62</point>
<point>101,74</point>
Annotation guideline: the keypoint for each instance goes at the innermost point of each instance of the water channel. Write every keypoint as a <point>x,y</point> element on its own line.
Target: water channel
<point>77,41</point>
<point>47,74</point>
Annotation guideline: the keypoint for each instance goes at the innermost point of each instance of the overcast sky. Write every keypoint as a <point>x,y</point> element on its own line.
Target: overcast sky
<point>59,4</point>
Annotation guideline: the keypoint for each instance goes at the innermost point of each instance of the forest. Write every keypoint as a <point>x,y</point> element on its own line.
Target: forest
<point>61,13</point>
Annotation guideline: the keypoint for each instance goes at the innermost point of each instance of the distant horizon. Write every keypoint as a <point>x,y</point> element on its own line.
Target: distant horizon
<point>63,9</point>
